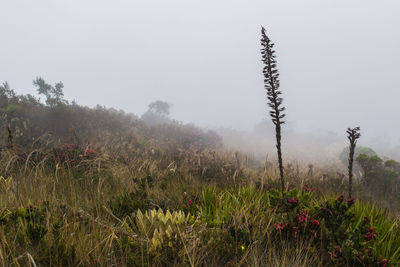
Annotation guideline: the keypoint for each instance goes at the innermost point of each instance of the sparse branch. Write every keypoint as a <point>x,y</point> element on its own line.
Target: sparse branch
<point>271,84</point>
<point>352,135</point>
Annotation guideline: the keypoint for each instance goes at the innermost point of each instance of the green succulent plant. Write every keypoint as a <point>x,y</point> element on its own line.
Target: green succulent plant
<point>5,183</point>
<point>156,226</point>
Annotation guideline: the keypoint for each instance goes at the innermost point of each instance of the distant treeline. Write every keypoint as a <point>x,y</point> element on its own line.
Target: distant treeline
<point>27,122</point>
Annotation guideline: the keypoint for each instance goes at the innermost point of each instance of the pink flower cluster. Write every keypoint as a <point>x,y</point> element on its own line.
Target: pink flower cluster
<point>89,152</point>
<point>371,234</point>
<point>71,147</point>
<point>332,256</point>
<point>302,217</point>
<point>308,188</point>
<point>300,224</point>
<point>337,248</point>
<point>278,227</point>
<point>383,262</point>
<point>74,154</point>
<point>350,202</point>
<point>315,222</point>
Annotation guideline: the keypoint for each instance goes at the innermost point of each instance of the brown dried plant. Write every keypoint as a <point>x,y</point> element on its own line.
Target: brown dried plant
<point>352,135</point>
<point>10,137</point>
<point>271,84</point>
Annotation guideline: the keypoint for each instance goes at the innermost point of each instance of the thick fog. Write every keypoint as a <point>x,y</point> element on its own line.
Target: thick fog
<point>338,59</point>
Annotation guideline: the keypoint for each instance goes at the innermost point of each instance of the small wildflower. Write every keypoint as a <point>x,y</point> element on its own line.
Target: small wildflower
<point>383,262</point>
<point>314,233</point>
<point>295,231</point>
<point>292,200</point>
<point>89,151</point>
<point>303,213</point>
<point>278,227</point>
<point>308,189</point>
<point>332,256</point>
<point>315,222</point>
<point>371,234</point>
<point>350,202</point>
<point>243,247</point>
<point>337,248</point>
<point>302,219</point>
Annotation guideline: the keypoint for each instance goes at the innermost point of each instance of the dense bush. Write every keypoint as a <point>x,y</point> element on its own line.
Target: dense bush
<point>344,155</point>
<point>382,178</point>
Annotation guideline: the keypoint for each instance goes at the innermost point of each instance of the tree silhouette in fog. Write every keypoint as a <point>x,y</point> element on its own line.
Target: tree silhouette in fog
<point>157,113</point>
<point>54,94</point>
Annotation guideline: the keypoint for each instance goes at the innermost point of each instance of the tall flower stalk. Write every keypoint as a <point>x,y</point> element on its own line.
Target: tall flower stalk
<point>352,135</point>
<point>271,84</point>
<point>10,137</point>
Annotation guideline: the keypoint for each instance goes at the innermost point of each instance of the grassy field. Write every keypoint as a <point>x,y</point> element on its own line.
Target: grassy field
<point>74,206</point>
<point>86,186</point>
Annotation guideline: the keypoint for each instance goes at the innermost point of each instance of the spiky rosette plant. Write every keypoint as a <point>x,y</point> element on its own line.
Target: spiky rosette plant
<point>271,84</point>
<point>352,135</point>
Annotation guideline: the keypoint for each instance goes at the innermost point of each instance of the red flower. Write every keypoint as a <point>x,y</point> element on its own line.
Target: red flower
<point>337,248</point>
<point>292,200</point>
<point>302,219</point>
<point>278,227</point>
<point>308,189</point>
<point>89,151</point>
<point>315,222</point>
<point>383,262</point>
<point>332,256</point>
<point>315,233</point>
<point>370,236</point>
<point>350,202</point>
<point>295,231</point>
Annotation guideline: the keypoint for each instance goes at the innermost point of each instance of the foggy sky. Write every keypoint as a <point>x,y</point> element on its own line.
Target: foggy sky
<point>338,59</point>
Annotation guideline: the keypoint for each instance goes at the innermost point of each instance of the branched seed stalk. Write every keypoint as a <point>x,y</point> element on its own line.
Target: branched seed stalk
<point>352,135</point>
<point>10,137</point>
<point>271,84</point>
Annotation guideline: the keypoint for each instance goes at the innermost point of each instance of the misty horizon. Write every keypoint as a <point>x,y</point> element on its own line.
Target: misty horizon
<point>337,60</point>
